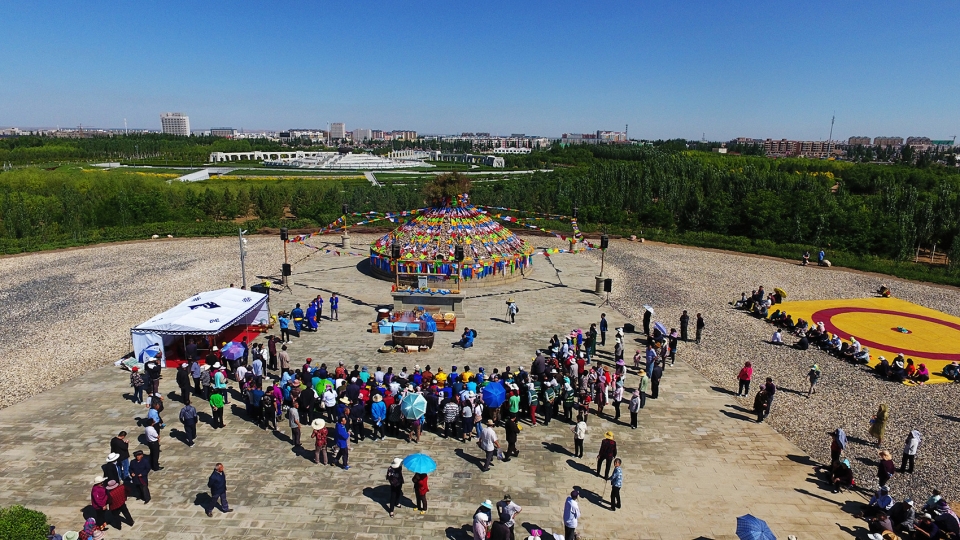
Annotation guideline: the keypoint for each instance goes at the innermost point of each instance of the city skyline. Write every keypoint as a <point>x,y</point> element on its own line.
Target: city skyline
<point>761,71</point>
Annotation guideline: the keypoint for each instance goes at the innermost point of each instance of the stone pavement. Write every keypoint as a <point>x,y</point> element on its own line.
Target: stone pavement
<point>695,464</point>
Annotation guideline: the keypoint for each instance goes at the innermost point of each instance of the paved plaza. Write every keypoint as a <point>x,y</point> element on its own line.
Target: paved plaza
<point>694,465</point>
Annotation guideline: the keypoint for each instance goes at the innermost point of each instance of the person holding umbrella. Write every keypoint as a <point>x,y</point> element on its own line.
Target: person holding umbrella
<point>395,479</point>
<point>421,489</point>
<point>420,465</point>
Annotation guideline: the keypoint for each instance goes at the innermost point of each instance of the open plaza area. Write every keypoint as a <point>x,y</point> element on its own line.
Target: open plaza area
<point>697,460</point>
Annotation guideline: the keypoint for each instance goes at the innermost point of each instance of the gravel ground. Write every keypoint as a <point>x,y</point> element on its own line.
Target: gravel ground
<point>69,312</point>
<point>672,279</point>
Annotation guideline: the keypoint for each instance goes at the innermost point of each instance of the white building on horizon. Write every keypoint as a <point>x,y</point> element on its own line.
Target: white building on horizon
<point>360,135</point>
<point>174,123</point>
<point>338,130</point>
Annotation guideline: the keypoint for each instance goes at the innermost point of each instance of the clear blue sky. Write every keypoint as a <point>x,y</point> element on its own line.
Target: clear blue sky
<point>669,69</point>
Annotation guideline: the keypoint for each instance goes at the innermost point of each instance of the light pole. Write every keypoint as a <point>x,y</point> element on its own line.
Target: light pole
<point>243,253</point>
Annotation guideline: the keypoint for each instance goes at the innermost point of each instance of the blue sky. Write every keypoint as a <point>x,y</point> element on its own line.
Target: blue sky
<point>668,69</point>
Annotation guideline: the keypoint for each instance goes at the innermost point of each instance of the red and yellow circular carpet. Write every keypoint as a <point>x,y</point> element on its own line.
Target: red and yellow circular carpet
<point>888,326</point>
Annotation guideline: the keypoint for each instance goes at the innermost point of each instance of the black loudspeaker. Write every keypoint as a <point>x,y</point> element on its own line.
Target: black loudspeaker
<point>286,270</point>
<point>604,242</point>
<point>395,251</point>
<point>607,285</point>
<point>283,234</point>
<point>458,253</point>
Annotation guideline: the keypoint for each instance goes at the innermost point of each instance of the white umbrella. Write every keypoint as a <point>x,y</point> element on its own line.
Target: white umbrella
<point>649,308</point>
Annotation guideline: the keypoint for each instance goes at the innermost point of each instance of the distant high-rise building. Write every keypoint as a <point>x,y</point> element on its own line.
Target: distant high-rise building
<point>174,123</point>
<point>859,141</point>
<point>888,141</point>
<point>223,132</point>
<point>359,135</point>
<point>376,134</point>
<point>404,135</point>
<point>338,130</point>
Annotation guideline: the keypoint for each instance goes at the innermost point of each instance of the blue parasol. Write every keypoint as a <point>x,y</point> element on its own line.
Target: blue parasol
<point>232,351</point>
<point>420,463</point>
<point>149,353</point>
<point>494,394</point>
<point>413,406</point>
<point>659,326</point>
<point>751,528</point>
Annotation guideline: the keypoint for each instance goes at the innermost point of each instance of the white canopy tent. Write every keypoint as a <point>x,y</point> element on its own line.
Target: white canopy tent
<point>205,314</point>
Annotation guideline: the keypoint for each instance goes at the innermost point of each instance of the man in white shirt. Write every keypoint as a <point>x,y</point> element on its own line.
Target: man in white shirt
<point>153,442</point>
<point>777,338</point>
<point>330,402</point>
<point>489,444</point>
<point>571,514</point>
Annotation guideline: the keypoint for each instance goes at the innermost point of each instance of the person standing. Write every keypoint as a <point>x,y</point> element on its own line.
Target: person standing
<point>771,390</point>
<point>617,398</point>
<point>700,327</point>
<point>813,376</point>
<point>284,357</point>
<point>120,446</point>
<point>98,499</point>
<point>603,329</point>
<point>343,444</point>
<point>139,471</point>
<point>334,307</point>
<point>579,433</point>
<point>153,442</point>
<point>319,436</point>
<point>616,482</point>
<point>910,451</point>
<point>117,497</point>
<point>746,373</point>
<point>195,373</point>
<point>878,424</point>
<point>684,324</point>
<point>378,412</point>
<point>512,309</point>
<point>138,384</point>
<point>183,381</point>
<point>760,404</point>
<point>421,488</point>
<point>205,382</point>
<point>647,314</point>
<point>481,525</point>
<point>885,468</point>
<point>293,417</point>
<point>218,490</point>
<point>634,408</point>
<point>513,430</point>
<point>571,516</point>
<point>188,417</point>
<point>608,451</point>
<point>272,352</point>
<point>508,510</point>
<point>395,479</point>
<point>216,408</point>
<point>644,387</point>
<point>489,444</point>
<point>655,377</point>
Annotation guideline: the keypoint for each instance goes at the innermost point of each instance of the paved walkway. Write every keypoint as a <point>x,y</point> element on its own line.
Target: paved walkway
<point>694,465</point>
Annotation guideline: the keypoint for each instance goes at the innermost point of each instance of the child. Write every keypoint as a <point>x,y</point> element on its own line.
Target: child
<point>616,482</point>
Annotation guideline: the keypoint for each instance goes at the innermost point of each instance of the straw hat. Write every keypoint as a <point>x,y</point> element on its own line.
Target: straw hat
<point>318,424</point>
<point>344,400</point>
<point>112,457</point>
<point>98,479</point>
<point>377,398</point>
<point>396,463</point>
<point>205,367</point>
<point>608,435</point>
<point>71,535</point>
<point>884,454</point>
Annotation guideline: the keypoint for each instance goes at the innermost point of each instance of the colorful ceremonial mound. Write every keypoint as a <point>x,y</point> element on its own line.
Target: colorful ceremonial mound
<point>888,326</point>
<point>428,246</point>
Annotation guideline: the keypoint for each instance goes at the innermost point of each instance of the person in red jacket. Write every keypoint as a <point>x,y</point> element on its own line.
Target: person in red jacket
<point>117,497</point>
<point>421,489</point>
<point>608,451</point>
<point>746,374</point>
<point>98,499</point>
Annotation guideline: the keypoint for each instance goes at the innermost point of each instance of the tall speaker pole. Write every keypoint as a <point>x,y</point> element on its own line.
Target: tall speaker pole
<point>283,237</point>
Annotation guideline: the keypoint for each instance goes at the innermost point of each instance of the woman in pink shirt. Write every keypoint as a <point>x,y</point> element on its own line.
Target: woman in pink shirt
<point>744,377</point>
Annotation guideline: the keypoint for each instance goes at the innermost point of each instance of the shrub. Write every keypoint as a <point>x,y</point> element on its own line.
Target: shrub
<point>19,523</point>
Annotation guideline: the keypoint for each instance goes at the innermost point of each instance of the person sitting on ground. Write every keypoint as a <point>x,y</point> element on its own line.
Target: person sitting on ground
<point>788,323</point>
<point>801,325</point>
<point>884,291</point>
<point>897,370</point>
<point>835,344</point>
<point>946,519</point>
<point>841,475</point>
<point>911,370</point>
<point>922,375</point>
<point>762,312</point>
<point>804,342</point>
<point>777,338</point>
<point>924,527</point>
<point>862,357</point>
<point>774,316</point>
<point>466,339</point>
<point>952,371</point>
<point>882,368</point>
<point>739,303</point>
<point>903,517</point>
<point>881,502</point>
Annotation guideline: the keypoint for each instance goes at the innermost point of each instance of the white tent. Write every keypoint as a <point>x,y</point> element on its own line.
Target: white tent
<point>207,314</point>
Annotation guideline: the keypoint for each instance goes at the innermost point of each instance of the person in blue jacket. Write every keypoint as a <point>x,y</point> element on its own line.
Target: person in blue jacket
<point>343,443</point>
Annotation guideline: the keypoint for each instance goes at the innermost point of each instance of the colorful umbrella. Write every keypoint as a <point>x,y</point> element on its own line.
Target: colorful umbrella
<point>149,353</point>
<point>494,394</point>
<point>781,292</point>
<point>751,528</point>
<point>420,463</point>
<point>413,406</point>
<point>232,351</point>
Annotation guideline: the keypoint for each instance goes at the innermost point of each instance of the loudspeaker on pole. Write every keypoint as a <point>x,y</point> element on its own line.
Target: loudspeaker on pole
<point>286,269</point>
<point>283,234</point>
<point>607,285</point>
<point>604,242</point>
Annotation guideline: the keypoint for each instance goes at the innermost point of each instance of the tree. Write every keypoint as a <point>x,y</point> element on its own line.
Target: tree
<point>444,188</point>
<point>19,523</point>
